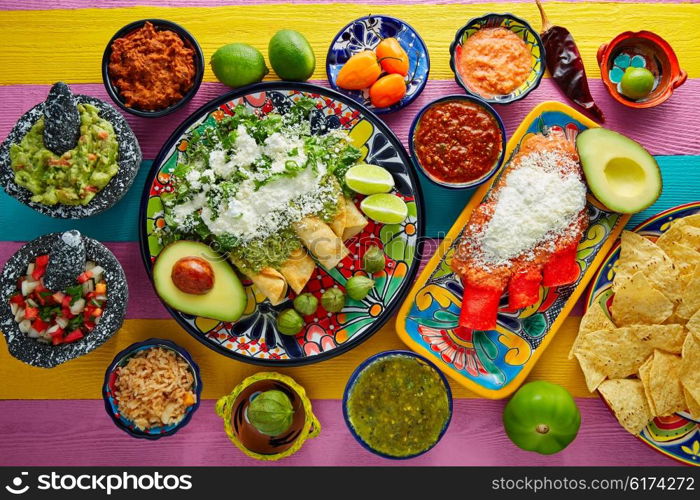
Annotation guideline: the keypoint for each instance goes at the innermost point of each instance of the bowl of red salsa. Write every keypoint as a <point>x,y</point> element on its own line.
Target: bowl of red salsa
<point>457,141</point>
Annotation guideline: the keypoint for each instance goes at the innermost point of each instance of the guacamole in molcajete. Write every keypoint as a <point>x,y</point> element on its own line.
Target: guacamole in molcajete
<point>398,406</point>
<point>77,175</point>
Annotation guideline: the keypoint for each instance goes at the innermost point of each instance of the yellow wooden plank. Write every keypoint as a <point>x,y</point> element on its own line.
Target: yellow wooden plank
<point>45,46</point>
<point>82,378</point>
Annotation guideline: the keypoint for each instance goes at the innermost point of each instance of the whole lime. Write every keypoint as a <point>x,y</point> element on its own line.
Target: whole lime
<point>238,64</point>
<point>542,417</point>
<point>637,83</point>
<point>291,56</point>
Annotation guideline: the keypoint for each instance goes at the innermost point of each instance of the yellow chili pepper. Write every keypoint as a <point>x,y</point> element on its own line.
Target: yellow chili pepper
<point>359,72</point>
<point>388,90</point>
<point>392,56</point>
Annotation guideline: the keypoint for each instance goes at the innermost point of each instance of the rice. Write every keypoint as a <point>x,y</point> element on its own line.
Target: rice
<point>154,388</point>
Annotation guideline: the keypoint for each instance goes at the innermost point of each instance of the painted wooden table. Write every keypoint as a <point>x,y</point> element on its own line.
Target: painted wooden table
<point>57,417</point>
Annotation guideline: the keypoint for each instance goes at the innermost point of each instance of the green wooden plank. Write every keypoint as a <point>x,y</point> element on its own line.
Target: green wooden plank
<point>681,175</point>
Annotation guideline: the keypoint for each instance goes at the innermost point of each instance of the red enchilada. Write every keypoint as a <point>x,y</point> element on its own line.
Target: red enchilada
<point>526,232</point>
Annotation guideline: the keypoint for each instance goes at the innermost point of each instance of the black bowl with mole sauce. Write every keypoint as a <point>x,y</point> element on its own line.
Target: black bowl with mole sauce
<point>160,25</point>
<point>457,141</point>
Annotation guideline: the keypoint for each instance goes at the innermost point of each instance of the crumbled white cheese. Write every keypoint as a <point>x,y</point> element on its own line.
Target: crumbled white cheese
<point>253,214</point>
<point>280,149</point>
<point>538,202</point>
<point>183,210</point>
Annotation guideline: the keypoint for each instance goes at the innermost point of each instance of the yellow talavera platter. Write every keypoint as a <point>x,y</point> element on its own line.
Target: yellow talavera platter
<point>494,363</point>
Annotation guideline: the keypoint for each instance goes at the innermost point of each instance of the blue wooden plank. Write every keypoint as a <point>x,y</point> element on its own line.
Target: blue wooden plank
<point>681,176</point>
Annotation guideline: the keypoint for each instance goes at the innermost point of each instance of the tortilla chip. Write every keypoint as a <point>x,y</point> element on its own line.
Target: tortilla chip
<point>685,259</point>
<point>645,377</point>
<point>637,302</point>
<point>592,372</point>
<point>664,385</point>
<point>690,303</point>
<point>620,352</point>
<point>628,403</point>
<point>693,325</point>
<point>685,230</point>
<point>593,320</point>
<point>689,372</point>
<point>692,405</point>
<point>638,254</point>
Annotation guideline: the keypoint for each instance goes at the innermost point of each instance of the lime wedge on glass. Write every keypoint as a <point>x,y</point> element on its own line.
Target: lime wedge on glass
<point>385,208</point>
<point>369,179</point>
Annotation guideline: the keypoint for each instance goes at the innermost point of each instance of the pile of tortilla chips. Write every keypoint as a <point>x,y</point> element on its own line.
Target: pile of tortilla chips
<point>645,359</point>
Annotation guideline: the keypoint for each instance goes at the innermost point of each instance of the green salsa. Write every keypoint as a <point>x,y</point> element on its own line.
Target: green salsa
<point>272,251</point>
<point>398,405</point>
<point>74,177</point>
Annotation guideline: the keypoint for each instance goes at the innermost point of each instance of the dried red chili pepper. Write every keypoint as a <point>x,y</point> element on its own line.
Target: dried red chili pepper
<point>565,64</point>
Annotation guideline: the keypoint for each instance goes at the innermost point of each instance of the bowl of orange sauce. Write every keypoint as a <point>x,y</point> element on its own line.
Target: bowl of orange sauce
<point>498,58</point>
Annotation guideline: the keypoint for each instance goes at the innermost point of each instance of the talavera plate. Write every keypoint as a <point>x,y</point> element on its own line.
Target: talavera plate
<point>254,337</point>
<point>676,436</point>
<point>494,363</point>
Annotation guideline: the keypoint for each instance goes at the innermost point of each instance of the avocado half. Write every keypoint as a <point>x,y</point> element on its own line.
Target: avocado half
<point>227,299</point>
<point>620,173</point>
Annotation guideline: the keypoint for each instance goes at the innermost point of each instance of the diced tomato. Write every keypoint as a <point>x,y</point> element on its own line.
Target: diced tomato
<point>58,333</point>
<point>84,276</point>
<point>42,260</point>
<point>57,339</point>
<point>97,312</point>
<point>103,134</point>
<point>38,272</point>
<point>89,325</point>
<point>65,311</point>
<point>39,325</point>
<point>479,307</point>
<point>31,313</point>
<point>17,299</point>
<point>524,288</point>
<point>562,268</point>
<point>65,302</point>
<point>73,336</point>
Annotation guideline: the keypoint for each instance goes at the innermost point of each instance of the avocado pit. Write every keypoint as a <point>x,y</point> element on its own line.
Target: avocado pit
<point>193,275</point>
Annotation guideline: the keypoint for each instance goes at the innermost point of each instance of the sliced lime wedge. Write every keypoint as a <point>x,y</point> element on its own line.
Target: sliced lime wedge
<point>369,179</point>
<point>385,208</point>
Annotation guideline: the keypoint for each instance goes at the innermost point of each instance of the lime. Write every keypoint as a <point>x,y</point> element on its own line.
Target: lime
<point>637,83</point>
<point>238,64</point>
<point>369,179</point>
<point>291,56</point>
<point>385,208</point>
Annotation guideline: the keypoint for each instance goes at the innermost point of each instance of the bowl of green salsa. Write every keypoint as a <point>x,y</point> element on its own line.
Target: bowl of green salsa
<point>397,404</point>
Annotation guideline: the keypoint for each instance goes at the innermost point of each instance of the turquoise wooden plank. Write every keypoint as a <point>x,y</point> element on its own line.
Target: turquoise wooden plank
<point>21,223</point>
<point>442,206</point>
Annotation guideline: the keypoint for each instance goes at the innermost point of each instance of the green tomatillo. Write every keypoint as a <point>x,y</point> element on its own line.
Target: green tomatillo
<point>289,322</point>
<point>271,412</point>
<point>542,417</point>
<point>305,304</point>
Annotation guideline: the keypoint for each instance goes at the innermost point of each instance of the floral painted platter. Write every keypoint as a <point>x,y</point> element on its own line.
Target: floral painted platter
<point>494,363</point>
<point>677,436</point>
<point>254,338</point>
<point>365,33</point>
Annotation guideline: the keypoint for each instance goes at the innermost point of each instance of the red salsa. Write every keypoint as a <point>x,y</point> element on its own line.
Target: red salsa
<point>457,141</point>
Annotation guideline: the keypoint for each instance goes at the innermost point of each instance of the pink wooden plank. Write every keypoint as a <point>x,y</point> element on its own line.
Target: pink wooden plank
<point>143,302</point>
<point>651,127</point>
<point>475,437</point>
<point>83,4</point>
